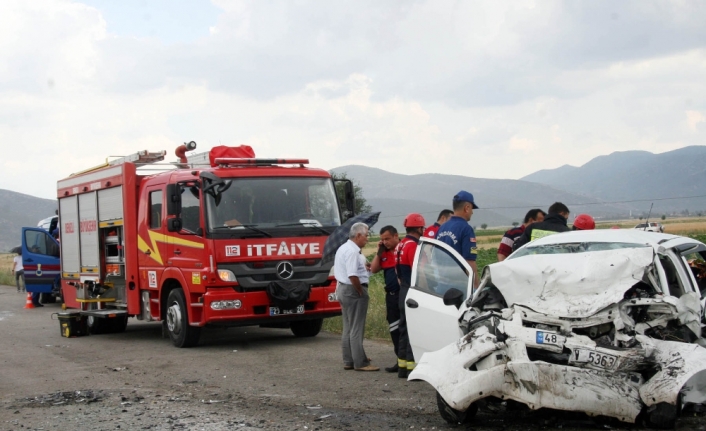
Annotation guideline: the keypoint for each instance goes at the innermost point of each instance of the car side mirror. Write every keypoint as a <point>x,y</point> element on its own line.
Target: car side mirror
<point>174,225</point>
<point>453,297</point>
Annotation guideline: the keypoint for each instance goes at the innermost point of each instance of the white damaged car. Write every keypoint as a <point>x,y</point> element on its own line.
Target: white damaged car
<point>606,322</point>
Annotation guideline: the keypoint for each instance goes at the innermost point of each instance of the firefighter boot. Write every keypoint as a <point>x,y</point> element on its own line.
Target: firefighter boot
<point>401,368</point>
<point>392,369</point>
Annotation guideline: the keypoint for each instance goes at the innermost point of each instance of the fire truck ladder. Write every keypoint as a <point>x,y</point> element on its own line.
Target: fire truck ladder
<point>140,158</point>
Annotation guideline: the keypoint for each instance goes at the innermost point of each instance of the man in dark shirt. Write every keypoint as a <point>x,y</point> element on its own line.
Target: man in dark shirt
<point>459,234</point>
<point>554,222</point>
<point>444,216</point>
<point>505,249</point>
<point>384,261</point>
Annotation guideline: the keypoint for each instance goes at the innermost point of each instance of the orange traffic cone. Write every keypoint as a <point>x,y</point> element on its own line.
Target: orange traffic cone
<point>29,301</point>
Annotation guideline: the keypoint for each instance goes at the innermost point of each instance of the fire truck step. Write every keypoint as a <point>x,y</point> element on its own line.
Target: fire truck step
<point>104,313</point>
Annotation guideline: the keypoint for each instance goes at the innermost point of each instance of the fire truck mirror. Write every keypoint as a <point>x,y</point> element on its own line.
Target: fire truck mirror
<point>350,197</point>
<point>174,225</point>
<point>173,199</point>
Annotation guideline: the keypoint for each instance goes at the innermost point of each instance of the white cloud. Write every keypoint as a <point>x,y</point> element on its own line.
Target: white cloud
<point>413,87</point>
<point>693,118</point>
<point>523,145</point>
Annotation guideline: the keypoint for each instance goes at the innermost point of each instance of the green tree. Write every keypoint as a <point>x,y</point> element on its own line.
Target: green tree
<point>515,223</point>
<point>361,205</point>
<point>664,217</point>
<point>484,226</point>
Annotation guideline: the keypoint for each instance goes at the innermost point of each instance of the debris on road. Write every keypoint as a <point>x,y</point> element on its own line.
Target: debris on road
<point>62,398</point>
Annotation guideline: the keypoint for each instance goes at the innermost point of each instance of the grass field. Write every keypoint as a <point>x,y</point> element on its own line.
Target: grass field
<point>6,277</point>
<point>376,324</point>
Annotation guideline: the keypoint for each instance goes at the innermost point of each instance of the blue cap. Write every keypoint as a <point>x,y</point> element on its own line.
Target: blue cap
<point>464,196</point>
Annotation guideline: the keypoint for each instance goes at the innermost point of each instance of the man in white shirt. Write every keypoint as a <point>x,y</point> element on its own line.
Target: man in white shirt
<point>19,272</point>
<point>352,273</point>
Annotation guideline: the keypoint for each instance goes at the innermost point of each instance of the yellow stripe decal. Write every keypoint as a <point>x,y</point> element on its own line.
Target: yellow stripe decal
<point>156,237</point>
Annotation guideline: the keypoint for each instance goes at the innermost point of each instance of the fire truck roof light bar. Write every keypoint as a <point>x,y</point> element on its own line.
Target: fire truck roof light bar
<point>230,161</point>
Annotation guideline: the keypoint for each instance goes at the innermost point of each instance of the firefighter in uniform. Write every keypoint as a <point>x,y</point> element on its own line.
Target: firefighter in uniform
<point>583,222</point>
<point>384,261</point>
<point>444,216</point>
<point>404,257</point>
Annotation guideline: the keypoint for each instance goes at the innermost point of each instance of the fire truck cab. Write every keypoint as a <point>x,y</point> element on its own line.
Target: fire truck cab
<point>200,244</point>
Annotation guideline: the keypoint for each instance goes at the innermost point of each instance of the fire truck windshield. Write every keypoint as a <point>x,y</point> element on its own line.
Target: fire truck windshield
<point>274,207</point>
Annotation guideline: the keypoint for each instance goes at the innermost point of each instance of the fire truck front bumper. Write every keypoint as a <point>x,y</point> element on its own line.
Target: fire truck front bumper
<point>226,307</point>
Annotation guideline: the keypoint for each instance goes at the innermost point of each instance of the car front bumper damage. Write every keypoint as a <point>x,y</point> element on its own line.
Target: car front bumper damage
<point>493,361</point>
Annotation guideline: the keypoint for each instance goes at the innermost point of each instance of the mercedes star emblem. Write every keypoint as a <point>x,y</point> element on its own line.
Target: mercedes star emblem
<point>285,270</point>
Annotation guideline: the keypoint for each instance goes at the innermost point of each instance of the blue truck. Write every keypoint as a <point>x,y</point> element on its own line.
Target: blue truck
<point>40,259</point>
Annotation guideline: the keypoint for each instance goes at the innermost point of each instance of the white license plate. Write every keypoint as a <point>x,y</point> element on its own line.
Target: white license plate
<point>550,338</point>
<point>597,359</point>
<point>275,311</point>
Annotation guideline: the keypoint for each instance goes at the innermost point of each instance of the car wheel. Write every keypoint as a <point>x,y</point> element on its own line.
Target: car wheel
<point>663,415</point>
<point>453,416</point>
<point>307,328</point>
<point>47,298</point>
<point>180,332</point>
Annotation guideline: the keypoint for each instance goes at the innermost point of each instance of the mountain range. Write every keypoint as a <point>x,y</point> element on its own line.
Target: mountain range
<point>617,185</point>
<point>18,210</point>
<point>638,176</point>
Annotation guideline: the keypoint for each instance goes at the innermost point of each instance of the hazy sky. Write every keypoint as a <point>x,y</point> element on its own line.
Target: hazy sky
<point>485,89</point>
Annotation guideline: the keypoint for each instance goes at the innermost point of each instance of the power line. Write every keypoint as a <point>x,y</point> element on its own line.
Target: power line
<point>609,202</point>
<point>573,204</point>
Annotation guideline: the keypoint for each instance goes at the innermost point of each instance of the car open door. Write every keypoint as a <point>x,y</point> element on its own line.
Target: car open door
<point>431,324</point>
<point>40,259</point>
<point>684,280</point>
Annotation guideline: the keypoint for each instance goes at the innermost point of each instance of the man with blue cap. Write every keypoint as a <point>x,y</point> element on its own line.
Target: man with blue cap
<point>457,233</point>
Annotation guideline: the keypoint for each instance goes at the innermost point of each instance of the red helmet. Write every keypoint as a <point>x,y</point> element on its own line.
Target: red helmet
<point>584,222</point>
<point>414,220</point>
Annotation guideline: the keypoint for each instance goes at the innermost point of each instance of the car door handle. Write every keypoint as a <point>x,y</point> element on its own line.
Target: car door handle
<point>177,251</point>
<point>29,260</point>
<point>147,252</point>
<point>411,303</point>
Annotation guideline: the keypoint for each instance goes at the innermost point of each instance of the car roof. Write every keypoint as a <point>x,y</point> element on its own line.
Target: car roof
<point>607,235</point>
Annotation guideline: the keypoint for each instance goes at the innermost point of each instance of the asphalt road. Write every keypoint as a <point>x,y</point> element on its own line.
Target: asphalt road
<point>239,378</point>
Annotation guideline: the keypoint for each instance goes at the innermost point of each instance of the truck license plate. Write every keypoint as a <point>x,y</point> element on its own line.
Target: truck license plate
<point>597,359</point>
<point>275,311</point>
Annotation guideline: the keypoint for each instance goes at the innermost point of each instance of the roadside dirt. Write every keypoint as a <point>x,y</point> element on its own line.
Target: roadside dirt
<point>236,379</point>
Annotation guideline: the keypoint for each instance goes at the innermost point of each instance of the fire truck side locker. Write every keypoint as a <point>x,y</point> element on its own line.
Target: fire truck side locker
<point>94,246</point>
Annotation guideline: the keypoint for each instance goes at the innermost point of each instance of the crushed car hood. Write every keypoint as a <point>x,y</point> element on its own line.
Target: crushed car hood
<point>573,285</point>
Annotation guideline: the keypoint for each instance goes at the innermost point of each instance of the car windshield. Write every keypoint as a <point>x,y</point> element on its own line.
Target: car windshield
<point>572,247</point>
<point>269,206</point>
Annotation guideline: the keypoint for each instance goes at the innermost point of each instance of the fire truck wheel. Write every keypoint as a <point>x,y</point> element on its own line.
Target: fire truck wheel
<point>96,325</point>
<point>307,328</point>
<point>180,332</point>
<point>117,324</point>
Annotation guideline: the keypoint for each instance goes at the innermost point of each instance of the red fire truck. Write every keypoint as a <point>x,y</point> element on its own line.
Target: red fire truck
<point>198,243</point>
